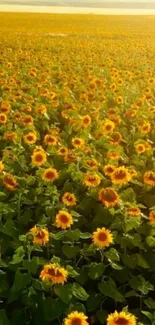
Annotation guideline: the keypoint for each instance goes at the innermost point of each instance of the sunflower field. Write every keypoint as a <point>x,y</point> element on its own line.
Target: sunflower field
<point>77,169</point>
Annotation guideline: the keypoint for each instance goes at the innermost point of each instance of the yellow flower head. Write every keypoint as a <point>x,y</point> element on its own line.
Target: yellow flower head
<point>91,180</point>
<point>63,219</point>
<point>40,236</point>
<point>54,273</point>
<point>69,199</point>
<point>102,237</point>
<point>38,158</point>
<point>108,197</point>
<point>149,178</point>
<point>120,175</point>
<point>76,318</point>
<point>121,318</point>
<point>50,175</point>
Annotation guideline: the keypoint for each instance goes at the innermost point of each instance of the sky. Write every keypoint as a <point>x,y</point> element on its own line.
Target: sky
<point>127,4</point>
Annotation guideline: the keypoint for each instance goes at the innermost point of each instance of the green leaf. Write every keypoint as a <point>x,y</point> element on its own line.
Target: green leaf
<point>116,266</point>
<point>73,234</point>
<point>55,260</point>
<point>88,250</point>
<point>3,318</point>
<point>78,307</point>
<point>93,302</point>
<point>9,229</point>
<point>70,251</point>
<point>150,240</point>
<point>109,290</point>
<point>79,292</point>
<point>64,292</point>
<point>18,256</point>
<point>59,235</point>
<point>102,316</point>
<point>141,261</point>
<point>112,255</point>
<point>85,235</point>
<point>150,303</point>
<point>147,314</point>
<point>140,284</point>
<point>52,309</point>
<point>21,280</point>
<point>32,265</point>
<point>96,270</point>
<point>71,271</point>
<point>131,223</point>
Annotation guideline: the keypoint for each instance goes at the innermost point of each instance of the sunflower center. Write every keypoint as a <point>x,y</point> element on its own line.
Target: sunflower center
<point>76,321</point>
<point>109,195</point>
<point>110,170</point>
<point>39,157</point>
<point>30,138</point>
<point>69,198</point>
<point>108,127</point>
<point>64,218</point>
<point>51,271</point>
<point>58,273</point>
<point>151,177</point>
<point>102,236</point>
<point>9,181</point>
<point>50,175</point>
<point>120,175</point>
<point>77,142</point>
<point>40,235</point>
<point>121,321</point>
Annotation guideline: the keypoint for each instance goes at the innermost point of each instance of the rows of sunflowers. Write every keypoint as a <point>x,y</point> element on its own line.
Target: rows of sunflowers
<point>77,170</point>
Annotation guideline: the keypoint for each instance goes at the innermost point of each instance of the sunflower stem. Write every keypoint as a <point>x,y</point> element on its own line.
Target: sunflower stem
<point>102,255</point>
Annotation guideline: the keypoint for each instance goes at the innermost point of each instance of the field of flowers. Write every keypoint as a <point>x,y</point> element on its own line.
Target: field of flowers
<point>77,170</point>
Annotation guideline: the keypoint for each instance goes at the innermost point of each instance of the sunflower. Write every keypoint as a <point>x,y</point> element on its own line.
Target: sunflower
<point>145,128</point>
<point>38,158</point>
<point>133,172</point>
<point>92,163</point>
<point>9,181</point>
<point>1,166</point>
<point>50,140</point>
<point>54,274</point>
<point>120,175</point>
<point>122,318</point>
<point>3,118</point>
<point>91,180</point>
<point>108,127</point>
<point>140,148</point>
<point>69,199</point>
<point>108,197</point>
<point>102,237</point>
<point>30,138</point>
<point>40,236</point>
<point>62,151</point>
<point>113,155</point>
<point>70,156</point>
<point>108,169</point>
<point>76,318</point>
<point>115,138</point>
<point>63,219</point>
<point>133,212</point>
<point>41,109</point>
<point>149,178</point>
<point>86,121</point>
<point>152,217</point>
<point>119,100</point>
<point>77,142</point>
<point>50,175</point>
<point>10,136</point>
<point>27,120</point>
